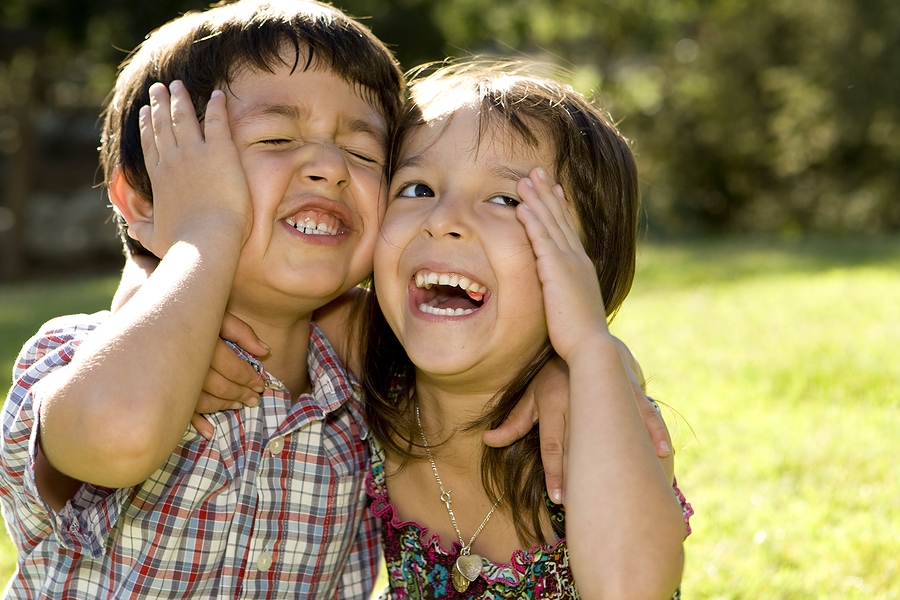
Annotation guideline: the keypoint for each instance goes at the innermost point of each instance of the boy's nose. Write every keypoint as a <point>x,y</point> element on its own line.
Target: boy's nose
<point>324,162</point>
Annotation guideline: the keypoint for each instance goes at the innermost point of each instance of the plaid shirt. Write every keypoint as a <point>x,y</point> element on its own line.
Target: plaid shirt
<point>274,507</point>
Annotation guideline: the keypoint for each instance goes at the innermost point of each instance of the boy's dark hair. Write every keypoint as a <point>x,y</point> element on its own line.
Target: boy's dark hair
<point>596,169</point>
<point>207,50</point>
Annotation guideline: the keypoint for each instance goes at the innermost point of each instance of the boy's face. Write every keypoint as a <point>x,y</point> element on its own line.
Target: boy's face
<point>314,154</point>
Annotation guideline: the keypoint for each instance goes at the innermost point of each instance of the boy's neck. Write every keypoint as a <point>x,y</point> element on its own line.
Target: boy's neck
<point>288,340</point>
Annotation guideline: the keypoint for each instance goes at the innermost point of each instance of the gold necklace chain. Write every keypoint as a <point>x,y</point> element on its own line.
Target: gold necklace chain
<point>466,570</point>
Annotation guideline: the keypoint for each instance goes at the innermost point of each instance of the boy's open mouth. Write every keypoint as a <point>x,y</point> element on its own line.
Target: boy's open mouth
<point>315,223</point>
<point>447,294</point>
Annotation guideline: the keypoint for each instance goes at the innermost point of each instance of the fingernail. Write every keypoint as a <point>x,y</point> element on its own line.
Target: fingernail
<point>542,174</point>
<point>215,94</point>
<point>664,448</point>
<point>175,85</point>
<point>265,345</point>
<point>528,182</point>
<point>556,496</point>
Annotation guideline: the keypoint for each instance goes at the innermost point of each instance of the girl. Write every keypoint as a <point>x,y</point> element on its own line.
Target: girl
<point>485,269</point>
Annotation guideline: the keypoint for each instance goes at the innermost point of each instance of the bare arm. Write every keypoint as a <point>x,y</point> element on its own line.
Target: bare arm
<point>115,414</point>
<point>624,524</point>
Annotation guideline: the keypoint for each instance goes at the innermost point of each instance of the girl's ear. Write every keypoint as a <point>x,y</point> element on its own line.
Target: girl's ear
<point>133,207</point>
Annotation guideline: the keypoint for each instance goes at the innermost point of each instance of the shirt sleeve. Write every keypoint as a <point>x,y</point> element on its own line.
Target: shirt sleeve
<point>362,568</point>
<point>87,519</point>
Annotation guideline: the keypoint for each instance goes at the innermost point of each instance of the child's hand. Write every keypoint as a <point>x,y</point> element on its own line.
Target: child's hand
<point>231,382</point>
<point>546,401</point>
<point>573,302</point>
<point>196,174</point>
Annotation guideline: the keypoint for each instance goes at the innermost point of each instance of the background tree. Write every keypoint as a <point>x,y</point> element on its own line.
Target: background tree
<point>748,115</point>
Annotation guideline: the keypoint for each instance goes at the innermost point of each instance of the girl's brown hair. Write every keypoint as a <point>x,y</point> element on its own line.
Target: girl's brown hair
<point>596,169</point>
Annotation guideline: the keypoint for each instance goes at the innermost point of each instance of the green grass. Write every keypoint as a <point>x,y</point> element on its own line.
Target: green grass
<point>781,361</point>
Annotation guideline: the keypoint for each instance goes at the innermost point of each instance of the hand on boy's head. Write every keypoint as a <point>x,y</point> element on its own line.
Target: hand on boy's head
<point>196,174</point>
<point>545,401</point>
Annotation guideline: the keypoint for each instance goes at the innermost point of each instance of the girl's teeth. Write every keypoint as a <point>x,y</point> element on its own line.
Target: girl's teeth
<point>445,312</point>
<point>426,280</point>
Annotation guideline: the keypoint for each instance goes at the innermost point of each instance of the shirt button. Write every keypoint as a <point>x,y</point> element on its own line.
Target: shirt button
<point>276,446</point>
<point>264,562</point>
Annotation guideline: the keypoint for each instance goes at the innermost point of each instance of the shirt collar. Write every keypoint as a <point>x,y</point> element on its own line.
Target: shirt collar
<point>332,383</point>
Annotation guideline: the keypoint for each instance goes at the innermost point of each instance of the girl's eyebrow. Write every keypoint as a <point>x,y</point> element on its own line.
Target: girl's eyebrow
<point>508,173</point>
<point>416,160</point>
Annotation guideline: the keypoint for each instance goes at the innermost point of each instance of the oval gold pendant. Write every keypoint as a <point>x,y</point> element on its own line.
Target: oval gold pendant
<point>465,571</point>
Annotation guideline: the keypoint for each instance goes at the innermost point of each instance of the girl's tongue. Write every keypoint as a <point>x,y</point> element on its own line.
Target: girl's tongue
<point>450,297</point>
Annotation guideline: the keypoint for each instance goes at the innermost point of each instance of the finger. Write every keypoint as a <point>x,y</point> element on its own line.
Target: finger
<point>571,230</point>
<point>215,123</point>
<point>237,331</point>
<point>519,422</point>
<point>148,138</point>
<point>161,117</point>
<point>653,422</point>
<point>235,369</point>
<point>224,390</point>
<point>556,204</point>
<point>185,126</point>
<point>553,434</point>
<point>532,200</point>
<point>203,426</point>
<point>207,403</point>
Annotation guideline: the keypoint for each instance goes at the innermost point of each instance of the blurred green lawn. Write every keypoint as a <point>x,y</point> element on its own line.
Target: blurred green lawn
<point>780,361</point>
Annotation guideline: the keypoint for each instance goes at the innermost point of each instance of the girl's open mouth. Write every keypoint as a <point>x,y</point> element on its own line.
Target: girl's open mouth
<point>447,294</point>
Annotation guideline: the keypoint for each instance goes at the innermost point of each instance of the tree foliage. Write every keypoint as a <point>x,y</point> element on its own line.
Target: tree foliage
<point>746,115</point>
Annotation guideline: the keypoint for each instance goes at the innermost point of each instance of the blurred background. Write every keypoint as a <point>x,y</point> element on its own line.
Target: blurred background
<point>765,308</point>
<point>773,116</point>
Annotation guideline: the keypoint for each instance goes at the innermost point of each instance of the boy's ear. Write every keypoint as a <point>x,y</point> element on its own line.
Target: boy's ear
<point>133,207</point>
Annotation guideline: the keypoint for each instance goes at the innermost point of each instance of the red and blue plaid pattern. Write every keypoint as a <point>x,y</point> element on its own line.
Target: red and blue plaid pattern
<point>237,517</point>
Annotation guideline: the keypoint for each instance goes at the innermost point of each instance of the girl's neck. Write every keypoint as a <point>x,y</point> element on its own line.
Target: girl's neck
<point>446,410</point>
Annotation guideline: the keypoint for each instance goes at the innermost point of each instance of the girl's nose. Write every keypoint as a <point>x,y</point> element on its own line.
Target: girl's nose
<point>447,218</point>
<point>323,162</point>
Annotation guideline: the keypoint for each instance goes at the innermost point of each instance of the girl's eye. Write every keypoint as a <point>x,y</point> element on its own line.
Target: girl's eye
<point>416,190</point>
<point>274,141</point>
<point>505,201</point>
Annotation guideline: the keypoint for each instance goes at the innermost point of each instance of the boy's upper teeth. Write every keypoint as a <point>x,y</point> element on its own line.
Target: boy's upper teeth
<point>426,279</point>
<point>310,227</point>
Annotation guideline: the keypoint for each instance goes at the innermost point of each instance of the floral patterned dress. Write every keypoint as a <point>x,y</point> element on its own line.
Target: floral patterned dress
<point>419,567</point>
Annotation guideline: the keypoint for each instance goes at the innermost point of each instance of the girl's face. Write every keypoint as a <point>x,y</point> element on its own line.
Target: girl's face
<point>454,270</point>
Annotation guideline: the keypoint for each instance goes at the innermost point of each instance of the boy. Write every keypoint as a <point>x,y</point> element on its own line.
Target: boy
<point>274,505</point>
